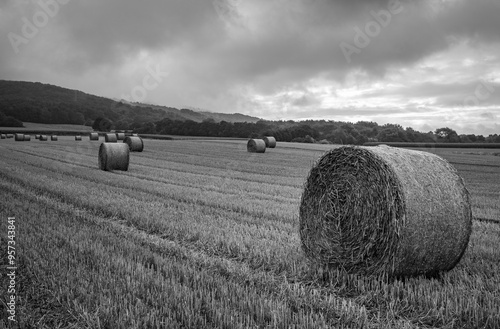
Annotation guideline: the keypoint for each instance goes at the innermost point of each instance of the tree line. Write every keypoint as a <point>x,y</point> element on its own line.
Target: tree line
<point>311,131</point>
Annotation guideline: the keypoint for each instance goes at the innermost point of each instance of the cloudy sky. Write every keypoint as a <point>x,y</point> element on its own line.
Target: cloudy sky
<point>425,64</point>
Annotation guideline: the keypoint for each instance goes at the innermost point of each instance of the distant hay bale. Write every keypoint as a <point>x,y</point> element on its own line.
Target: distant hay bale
<point>27,138</point>
<point>9,136</point>
<point>53,138</point>
<point>384,210</point>
<point>135,135</point>
<point>3,136</point>
<point>135,144</point>
<point>37,136</point>
<point>110,138</point>
<point>19,137</point>
<point>120,136</point>
<point>256,146</point>
<point>270,141</point>
<point>114,156</point>
<point>94,136</point>
<point>78,138</point>
<point>43,138</point>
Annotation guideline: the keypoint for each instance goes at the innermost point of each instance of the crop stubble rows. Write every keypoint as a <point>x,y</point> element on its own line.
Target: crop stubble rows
<point>203,233</point>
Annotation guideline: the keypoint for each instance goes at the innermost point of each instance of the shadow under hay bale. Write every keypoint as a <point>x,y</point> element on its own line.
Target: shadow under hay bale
<point>114,156</point>
<point>19,137</point>
<point>27,138</point>
<point>43,138</point>
<point>53,138</point>
<point>110,138</point>
<point>383,210</point>
<point>135,144</point>
<point>78,138</point>
<point>120,136</point>
<point>94,136</point>
<point>256,146</point>
<point>270,141</point>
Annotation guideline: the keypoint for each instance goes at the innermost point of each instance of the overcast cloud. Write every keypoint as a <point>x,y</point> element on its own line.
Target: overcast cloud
<point>427,64</point>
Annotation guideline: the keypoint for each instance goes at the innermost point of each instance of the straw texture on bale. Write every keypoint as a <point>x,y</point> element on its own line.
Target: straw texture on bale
<point>53,138</point>
<point>120,136</point>
<point>19,137</point>
<point>27,138</point>
<point>114,156</point>
<point>256,146</point>
<point>78,138</point>
<point>384,210</point>
<point>135,144</point>
<point>2,136</point>
<point>94,136</point>
<point>270,141</point>
<point>43,138</point>
<point>110,138</point>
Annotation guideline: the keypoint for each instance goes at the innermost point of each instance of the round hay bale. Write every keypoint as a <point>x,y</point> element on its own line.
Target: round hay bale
<point>78,138</point>
<point>43,138</point>
<point>19,137</point>
<point>385,210</point>
<point>110,138</point>
<point>135,144</point>
<point>270,141</point>
<point>2,136</point>
<point>120,136</point>
<point>37,136</point>
<point>135,135</point>
<point>94,136</point>
<point>114,156</point>
<point>10,136</point>
<point>53,138</point>
<point>27,138</point>
<point>256,146</point>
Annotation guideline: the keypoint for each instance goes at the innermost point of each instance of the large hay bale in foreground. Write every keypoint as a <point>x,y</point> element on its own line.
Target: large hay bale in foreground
<point>384,210</point>
<point>110,138</point>
<point>78,138</point>
<point>120,136</point>
<point>94,136</point>
<point>256,146</point>
<point>19,137</point>
<point>43,138</point>
<point>135,144</point>
<point>270,141</point>
<point>53,138</point>
<point>27,138</point>
<point>114,156</point>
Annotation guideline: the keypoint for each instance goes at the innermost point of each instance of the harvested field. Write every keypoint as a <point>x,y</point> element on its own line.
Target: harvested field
<point>205,234</point>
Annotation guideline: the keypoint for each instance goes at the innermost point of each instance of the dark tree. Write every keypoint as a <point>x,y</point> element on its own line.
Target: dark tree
<point>102,124</point>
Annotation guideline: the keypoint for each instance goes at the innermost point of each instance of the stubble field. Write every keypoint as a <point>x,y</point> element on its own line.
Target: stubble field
<point>202,234</point>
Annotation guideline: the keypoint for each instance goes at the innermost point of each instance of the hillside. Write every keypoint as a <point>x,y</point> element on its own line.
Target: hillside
<point>45,103</point>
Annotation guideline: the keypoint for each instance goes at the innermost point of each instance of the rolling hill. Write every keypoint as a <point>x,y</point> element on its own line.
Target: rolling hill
<point>44,103</point>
